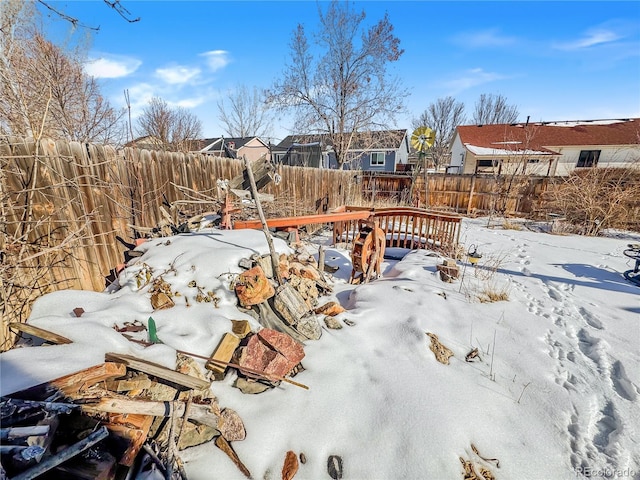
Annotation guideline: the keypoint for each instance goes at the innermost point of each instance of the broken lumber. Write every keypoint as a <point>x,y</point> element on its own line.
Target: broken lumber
<point>225,446</point>
<point>204,414</point>
<point>158,371</point>
<point>40,333</point>
<point>133,429</point>
<point>72,385</point>
<point>14,433</point>
<point>223,352</point>
<point>64,455</point>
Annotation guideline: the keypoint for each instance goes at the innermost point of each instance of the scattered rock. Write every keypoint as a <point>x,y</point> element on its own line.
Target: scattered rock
<point>309,327</point>
<point>283,344</point>
<point>253,287</point>
<point>449,271</point>
<point>250,386</point>
<point>241,328</point>
<point>231,426</point>
<point>307,288</point>
<point>303,458</point>
<point>441,352</point>
<point>271,352</point>
<point>290,304</point>
<point>290,467</point>
<point>472,355</point>
<point>350,323</point>
<point>332,323</point>
<point>78,311</point>
<point>334,467</point>
<point>330,308</point>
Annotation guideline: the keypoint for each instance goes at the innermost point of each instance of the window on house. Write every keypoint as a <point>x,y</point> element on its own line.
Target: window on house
<point>487,163</point>
<point>377,159</point>
<point>588,158</point>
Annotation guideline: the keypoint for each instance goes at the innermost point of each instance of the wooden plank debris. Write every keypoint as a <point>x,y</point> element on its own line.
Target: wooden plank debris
<point>40,333</point>
<point>205,414</point>
<point>226,447</point>
<point>64,455</point>
<point>223,353</point>
<point>72,385</point>
<point>158,371</point>
<point>133,430</point>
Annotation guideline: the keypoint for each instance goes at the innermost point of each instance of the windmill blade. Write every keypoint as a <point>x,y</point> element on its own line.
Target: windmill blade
<point>423,138</point>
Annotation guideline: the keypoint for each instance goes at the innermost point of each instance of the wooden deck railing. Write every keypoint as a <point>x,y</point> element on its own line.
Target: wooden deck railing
<point>404,227</point>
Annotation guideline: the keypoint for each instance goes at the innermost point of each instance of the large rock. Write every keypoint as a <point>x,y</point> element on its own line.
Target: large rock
<point>286,346</point>
<point>271,352</point>
<point>253,287</point>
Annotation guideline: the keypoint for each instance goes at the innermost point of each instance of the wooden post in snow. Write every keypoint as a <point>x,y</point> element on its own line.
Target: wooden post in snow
<point>254,191</point>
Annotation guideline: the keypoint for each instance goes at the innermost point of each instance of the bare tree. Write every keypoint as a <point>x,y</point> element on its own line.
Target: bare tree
<point>593,199</point>
<point>45,91</point>
<point>244,113</point>
<point>493,109</point>
<point>345,88</point>
<point>173,129</point>
<point>442,116</point>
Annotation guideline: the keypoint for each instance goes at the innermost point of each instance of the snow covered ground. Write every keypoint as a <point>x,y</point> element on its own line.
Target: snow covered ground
<point>554,394</point>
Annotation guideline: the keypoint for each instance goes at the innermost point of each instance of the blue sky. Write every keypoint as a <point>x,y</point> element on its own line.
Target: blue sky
<point>553,60</point>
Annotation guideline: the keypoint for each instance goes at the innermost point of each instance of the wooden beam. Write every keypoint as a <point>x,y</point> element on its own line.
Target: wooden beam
<point>40,333</point>
<point>304,220</point>
<point>223,352</point>
<point>204,414</point>
<point>158,371</point>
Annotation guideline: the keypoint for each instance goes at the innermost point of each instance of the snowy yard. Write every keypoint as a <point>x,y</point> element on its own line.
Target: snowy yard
<point>553,394</point>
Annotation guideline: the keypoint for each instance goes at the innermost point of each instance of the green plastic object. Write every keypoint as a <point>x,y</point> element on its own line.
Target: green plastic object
<point>153,332</point>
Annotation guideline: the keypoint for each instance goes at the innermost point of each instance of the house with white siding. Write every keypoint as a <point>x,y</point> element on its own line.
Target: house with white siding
<point>545,148</point>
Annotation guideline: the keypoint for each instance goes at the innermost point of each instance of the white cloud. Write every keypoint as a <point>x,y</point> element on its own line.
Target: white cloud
<point>178,74</point>
<point>111,66</point>
<point>473,78</point>
<point>592,38</point>
<point>216,59</point>
<point>484,38</point>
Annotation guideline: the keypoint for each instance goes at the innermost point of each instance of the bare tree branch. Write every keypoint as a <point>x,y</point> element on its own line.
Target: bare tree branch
<point>345,90</point>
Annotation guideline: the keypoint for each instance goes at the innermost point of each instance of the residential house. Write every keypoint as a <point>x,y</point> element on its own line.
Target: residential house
<point>382,151</point>
<point>545,148</point>
<point>234,147</point>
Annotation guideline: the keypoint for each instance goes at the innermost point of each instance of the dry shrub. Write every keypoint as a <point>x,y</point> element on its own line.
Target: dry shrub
<point>508,225</point>
<point>594,199</point>
<point>492,293</point>
<point>485,286</point>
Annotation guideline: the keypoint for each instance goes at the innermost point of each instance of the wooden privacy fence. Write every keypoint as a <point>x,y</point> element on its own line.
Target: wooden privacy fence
<point>63,204</point>
<point>404,227</point>
<point>466,194</point>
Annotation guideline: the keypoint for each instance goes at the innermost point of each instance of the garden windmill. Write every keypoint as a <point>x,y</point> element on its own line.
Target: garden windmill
<point>422,139</point>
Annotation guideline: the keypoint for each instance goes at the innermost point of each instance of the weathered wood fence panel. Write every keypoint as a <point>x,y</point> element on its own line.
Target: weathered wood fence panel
<point>466,194</point>
<point>63,203</point>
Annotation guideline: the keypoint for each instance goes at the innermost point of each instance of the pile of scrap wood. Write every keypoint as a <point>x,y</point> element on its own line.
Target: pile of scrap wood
<point>127,416</point>
<point>114,421</point>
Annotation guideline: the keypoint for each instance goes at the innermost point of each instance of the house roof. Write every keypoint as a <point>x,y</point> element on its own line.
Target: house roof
<point>213,144</point>
<point>382,139</point>
<point>542,138</point>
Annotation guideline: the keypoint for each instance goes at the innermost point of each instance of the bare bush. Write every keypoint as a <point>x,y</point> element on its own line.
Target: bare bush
<point>594,199</point>
<point>35,243</point>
